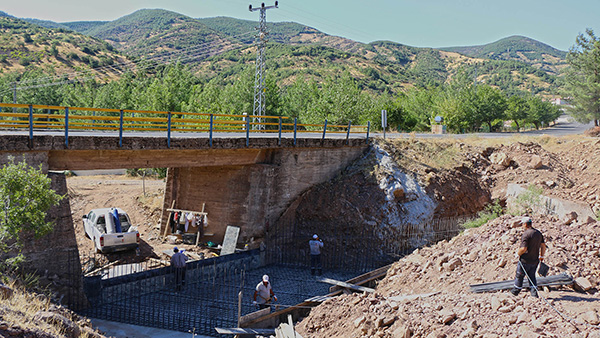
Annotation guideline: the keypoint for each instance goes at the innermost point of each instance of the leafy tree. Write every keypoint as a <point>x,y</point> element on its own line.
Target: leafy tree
<point>517,109</point>
<point>299,97</point>
<point>25,197</point>
<point>491,105</point>
<point>170,90</point>
<point>541,112</point>
<point>583,77</point>
<point>418,107</point>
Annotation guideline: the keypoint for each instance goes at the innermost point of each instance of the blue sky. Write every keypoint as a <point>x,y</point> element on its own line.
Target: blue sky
<point>421,23</point>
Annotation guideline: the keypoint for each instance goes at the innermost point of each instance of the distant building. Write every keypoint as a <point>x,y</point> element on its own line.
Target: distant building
<point>560,101</point>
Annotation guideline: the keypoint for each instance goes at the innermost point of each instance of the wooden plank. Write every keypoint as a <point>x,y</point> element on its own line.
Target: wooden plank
<point>377,273</point>
<point>201,230</point>
<point>345,285</point>
<point>254,315</point>
<point>188,211</point>
<point>364,278</point>
<point>102,268</point>
<point>239,330</point>
<point>318,299</point>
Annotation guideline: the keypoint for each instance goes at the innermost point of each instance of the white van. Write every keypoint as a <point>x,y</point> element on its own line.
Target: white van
<point>111,230</point>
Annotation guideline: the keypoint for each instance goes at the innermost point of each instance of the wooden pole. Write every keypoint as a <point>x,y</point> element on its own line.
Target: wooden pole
<point>200,230</point>
<point>239,308</point>
<point>169,219</point>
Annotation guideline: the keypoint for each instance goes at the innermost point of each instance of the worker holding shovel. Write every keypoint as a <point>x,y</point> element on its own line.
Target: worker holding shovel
<point>531,252</point>
<point>264,292</point>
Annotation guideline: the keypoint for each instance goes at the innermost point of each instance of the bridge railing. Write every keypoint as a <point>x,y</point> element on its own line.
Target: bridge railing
<point>44,117</point>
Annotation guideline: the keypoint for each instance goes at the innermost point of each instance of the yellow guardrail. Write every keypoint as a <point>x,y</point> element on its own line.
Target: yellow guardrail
<point>46,117</point>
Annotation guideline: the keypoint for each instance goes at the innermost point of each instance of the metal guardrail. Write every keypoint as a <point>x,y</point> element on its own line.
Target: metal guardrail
<point>123,120</point>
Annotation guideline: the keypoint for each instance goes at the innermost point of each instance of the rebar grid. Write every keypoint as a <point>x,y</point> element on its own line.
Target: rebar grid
<point>209,297</point>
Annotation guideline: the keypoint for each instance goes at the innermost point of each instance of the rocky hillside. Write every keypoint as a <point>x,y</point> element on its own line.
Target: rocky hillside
<point>397,185</point>
<point>426,294</point>
<point>31,314</point>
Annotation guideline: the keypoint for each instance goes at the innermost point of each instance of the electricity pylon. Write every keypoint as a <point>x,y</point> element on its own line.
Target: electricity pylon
<point>259,80</point>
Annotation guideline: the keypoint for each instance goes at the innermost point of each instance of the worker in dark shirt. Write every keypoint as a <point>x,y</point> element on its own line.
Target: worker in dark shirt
<point>531,251</point>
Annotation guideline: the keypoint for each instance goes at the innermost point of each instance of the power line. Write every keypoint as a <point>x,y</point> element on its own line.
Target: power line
<point>327,22</point>
<point>130,64</point>
<point>186,54</point>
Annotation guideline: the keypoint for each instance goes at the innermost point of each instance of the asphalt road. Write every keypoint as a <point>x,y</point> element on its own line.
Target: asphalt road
<point>565,125</point>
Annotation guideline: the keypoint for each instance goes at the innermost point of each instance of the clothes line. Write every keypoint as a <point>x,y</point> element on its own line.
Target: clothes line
<point>189,212</point>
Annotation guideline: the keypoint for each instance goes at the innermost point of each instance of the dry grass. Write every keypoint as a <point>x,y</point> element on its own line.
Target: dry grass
<point>22,307</point>
<point>416,154</point>
<point>151,201</point>
<point>20,310</point>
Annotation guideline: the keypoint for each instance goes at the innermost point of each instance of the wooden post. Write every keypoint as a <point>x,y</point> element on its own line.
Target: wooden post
<point>239,308</point>
<point>202,225</point>
<point>169,219</point>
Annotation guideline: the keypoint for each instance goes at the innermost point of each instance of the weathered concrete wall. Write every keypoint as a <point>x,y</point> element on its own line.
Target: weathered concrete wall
<point>552,205</point>
<point>55,257</point>
<point>253,196</point>
<point>33,158</point>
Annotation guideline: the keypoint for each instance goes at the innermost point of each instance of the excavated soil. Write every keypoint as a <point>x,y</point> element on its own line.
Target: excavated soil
<point>438,276</point>
<point>446,269</point>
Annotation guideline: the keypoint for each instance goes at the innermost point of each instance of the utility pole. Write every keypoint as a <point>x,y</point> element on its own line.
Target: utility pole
<point>15,96</point>
<point>259,80</point>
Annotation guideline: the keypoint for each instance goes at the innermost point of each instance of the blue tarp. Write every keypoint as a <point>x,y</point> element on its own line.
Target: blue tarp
<point>115,214</point>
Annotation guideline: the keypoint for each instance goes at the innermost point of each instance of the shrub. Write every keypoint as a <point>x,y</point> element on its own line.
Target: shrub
<point>528,201</point>
<point>491,211</point>
<point>24,61</point>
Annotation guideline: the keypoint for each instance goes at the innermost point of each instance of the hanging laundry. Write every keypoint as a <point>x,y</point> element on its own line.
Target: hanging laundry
<point>172,222</point>
<point>188,219</point>
<point>198,220</point>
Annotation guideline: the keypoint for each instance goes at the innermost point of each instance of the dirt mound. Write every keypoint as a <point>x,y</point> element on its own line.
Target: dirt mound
<point>565,169</point>
<point>485,254</point>
<point>594,132</point>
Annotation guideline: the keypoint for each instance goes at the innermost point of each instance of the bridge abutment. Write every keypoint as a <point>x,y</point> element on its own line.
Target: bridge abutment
<point>252,196</point>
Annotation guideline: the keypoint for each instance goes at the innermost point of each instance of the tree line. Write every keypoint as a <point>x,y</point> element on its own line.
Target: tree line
<point>465,106</point>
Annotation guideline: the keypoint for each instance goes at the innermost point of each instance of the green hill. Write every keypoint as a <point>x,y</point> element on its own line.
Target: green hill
<point>518,48</point>
<point>45,23</point>
<point>149,31</point>
<point>222,47</point>
<point>26,46</point>
<point>84,27</point>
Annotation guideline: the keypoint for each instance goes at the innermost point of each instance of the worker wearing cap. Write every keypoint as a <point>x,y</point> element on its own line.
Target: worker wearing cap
<point>264,293</point>
<point>531,251</point>
<point>178,263</point>
<point>315,245</point>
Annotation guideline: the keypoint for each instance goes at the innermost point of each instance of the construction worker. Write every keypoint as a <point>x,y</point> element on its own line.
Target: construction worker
<point>315,246</point>
<point>264,292</point>
<point>178,263</point>
<point>531,251</point>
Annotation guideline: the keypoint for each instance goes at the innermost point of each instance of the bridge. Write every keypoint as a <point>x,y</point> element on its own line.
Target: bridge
<point>243,177</point>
